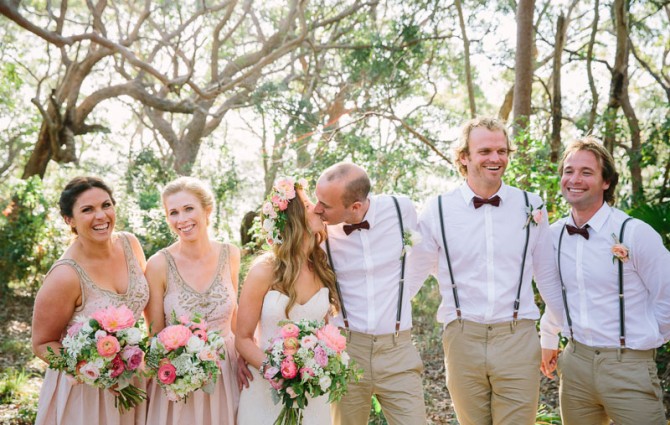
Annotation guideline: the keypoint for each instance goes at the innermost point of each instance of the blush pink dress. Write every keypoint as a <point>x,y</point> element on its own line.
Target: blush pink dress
<point>216,306</point>
<point>62,403</point>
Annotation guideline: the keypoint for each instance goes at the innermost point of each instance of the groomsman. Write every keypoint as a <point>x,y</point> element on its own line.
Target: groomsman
<point>615,275</point>
<point>366,242</point>
<point>484,241</point>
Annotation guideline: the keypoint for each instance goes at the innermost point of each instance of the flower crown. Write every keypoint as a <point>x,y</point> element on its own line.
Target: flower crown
<point>274,208</point>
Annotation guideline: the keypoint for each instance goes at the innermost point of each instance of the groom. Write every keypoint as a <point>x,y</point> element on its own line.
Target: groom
<point>365,246</point>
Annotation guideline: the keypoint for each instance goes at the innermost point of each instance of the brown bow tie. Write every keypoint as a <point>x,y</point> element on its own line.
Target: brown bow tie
<point>578,230</point>
<point>478,202</point>
<point>348,228</point>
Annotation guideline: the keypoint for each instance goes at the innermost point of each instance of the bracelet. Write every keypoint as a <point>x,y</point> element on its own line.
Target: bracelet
<point>264,364</point>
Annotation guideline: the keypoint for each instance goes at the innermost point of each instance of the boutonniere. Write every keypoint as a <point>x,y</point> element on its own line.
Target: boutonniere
<point>619,250</point>
<point>533,215</point>
<point>409,239</point>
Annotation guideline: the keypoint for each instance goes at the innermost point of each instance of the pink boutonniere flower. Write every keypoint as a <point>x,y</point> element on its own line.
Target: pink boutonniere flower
<point>619,251</point>
<point>533,215</point>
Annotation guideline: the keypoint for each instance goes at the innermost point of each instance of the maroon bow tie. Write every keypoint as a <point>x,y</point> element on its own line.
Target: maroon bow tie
<point>578,230</point>
<point>348,228</point>
<point>478,202</point>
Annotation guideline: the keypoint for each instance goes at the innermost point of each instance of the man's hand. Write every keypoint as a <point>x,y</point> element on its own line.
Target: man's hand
<point>549,359</point>
<point>243,373</point>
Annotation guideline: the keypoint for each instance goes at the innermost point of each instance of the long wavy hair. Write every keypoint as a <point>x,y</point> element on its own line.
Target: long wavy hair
<point>290,255</point>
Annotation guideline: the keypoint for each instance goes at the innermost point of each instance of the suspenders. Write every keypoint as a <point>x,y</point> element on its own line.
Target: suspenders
<point>517,301</point>
<point>622,317</point>
<point>401,283</point>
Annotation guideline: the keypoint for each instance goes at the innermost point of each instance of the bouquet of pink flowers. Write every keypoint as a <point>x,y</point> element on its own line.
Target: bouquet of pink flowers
<point>105,351</point>
<point>185,357</point>
<point>307,359</point>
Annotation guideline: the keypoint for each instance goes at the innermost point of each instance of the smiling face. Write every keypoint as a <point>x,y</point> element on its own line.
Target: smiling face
<point>93,215</point>
<point>186,215</point>
<point>582,182</point>
<point>486,160</point>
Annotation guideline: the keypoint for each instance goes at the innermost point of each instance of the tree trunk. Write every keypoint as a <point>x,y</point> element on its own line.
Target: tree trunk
<point>619,71</point>
<point>466,54</point>
<point>589,68</point>
<point>556,107</point>
<point>523,81</point>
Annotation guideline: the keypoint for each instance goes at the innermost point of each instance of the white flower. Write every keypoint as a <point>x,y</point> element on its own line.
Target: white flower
<point>133,336</point>
<point>86,328</point>
<point>345,358</point>
<point>194,344</point>
<point>309,341</point>
<point>100,334</point>
<point>268,225</point>
<point>324,383</point>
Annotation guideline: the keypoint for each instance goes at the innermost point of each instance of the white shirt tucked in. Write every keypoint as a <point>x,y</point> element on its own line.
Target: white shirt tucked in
<point>367,264</point>
<point>591,278</point>
<point>486,249</point>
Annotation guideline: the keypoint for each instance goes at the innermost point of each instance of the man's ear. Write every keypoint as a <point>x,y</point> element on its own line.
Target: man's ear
<point>356,206</point>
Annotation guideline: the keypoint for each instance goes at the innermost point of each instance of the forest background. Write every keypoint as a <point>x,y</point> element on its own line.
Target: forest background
<point>238,92</point>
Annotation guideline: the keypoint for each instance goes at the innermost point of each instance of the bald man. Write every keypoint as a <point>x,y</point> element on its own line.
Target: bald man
<point>365,247</point>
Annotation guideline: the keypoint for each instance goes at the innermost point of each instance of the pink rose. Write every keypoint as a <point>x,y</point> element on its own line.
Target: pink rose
<point>117,366</point>
<point>285,186</point>
<point>289,370</point>
<point>621,252</point>
<point>289,330</point>
<point>90,371</point>
<point>174,336</point>
<point>332,337</point>
<point>320,357</point>
<point>74,329</point>
<point>291,346</point>
<point>537,216</point>
<point>133,356</point>
<point>167,373</point>
<point>114,319</point>
<point>270,373</point>
<point>282,204</point>
<point>108,346</point>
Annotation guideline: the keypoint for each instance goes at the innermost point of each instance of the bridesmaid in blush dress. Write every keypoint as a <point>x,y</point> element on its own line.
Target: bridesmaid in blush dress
<point>293,281</point>
<point>195,275</point>
<point>100,268</point>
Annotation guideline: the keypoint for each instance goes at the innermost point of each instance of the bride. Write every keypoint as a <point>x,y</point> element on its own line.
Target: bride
<point>293,281</point>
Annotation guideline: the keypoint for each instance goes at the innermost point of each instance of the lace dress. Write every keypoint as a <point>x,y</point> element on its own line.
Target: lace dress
<point>256,405</point>
<point>61,402</point>
<point>216,305</point>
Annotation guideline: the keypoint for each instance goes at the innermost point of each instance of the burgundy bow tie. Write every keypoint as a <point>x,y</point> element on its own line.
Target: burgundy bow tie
<point>578,230</point>
<point>478,202</point>
<point>348,228</point>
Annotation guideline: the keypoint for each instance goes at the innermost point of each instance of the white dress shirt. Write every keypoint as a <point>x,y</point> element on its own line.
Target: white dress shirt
<point>591,279</point>
<point>486,248</point>
<point>367,264</point>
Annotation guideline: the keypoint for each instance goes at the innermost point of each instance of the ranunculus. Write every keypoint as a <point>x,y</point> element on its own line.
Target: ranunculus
<point>201,333</point>
<point>133,356</point>
<point>167,373</point>
<point>114,319</point>
<point>108,346</point>
<point>332,337</point>
<point>320,357</point>
<point>75,328</point>
<point>90,371</point>
<point>174,336</point>
<point>270,372</point>
<point>291,346</point>
<point>324,383</point>
<point>288,368</point>
<point>116,366</point>
<point>308,341</point>
<point>289,330</point>
<point>194,344</point>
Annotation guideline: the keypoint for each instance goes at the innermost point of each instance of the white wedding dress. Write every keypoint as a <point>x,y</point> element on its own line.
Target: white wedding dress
<point>256,405</point>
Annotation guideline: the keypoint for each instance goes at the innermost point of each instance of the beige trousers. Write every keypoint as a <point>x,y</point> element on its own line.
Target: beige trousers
<point>596,386</point>
<point>493,371</point>
<point>392,371</point>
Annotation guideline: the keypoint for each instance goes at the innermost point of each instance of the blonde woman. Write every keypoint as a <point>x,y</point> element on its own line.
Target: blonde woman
<point>293,281</point>
<point>195,275</point>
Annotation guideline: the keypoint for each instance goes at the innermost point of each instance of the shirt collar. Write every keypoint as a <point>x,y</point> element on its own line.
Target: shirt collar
<point>372,211</point>
<point>468,194</point>
<point>599,218</point>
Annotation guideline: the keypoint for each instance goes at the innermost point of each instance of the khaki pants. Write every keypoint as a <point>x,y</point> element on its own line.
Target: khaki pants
<point>392,371</point>
<point>493,371</point>
<point>596,386</point>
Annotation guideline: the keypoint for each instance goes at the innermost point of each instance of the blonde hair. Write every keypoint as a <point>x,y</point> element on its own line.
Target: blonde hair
<point>289,256</point>
<point>491,124</point>
<point>193,186</point>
